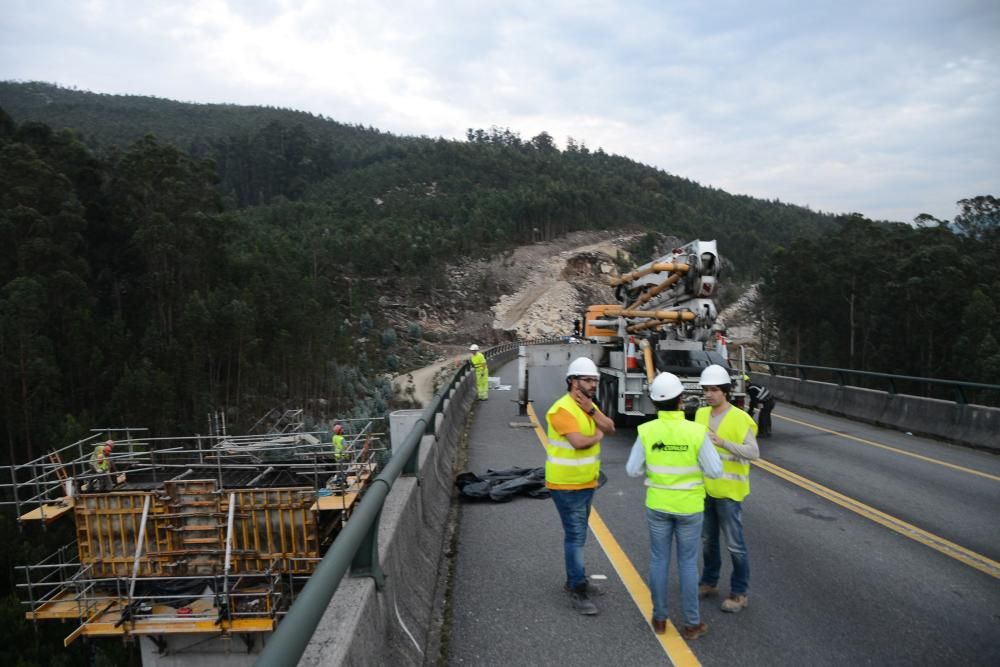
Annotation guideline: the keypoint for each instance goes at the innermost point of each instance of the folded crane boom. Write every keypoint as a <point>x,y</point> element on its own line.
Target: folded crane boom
<point>666,316</point>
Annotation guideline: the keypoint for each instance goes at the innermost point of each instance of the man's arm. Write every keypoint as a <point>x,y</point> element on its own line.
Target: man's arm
<point>581,441</point>
<point>636,465</point>
<point>747,450</point>
<point>709,459</point>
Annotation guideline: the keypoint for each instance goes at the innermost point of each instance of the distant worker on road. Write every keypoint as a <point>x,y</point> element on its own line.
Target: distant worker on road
<point>337,441</point>
<point>676,455</point>
<point>761,396</point>
<point>733,432</point>
<point>572,470</point>
<point>478,361</point>
<point>100,462</point>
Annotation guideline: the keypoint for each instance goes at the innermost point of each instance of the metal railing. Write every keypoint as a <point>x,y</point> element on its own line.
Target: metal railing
<point>356,547</point>
<point>985,394</point>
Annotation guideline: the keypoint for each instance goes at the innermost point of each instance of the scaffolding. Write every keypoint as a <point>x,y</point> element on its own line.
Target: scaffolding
<point>205,534</point>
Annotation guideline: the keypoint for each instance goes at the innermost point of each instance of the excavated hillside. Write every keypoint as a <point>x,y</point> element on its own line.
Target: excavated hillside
<point>534,291</point>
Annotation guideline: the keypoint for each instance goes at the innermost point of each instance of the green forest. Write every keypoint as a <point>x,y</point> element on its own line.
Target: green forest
<point>161,260</point>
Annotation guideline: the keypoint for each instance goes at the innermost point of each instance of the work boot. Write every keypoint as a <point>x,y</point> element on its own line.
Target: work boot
<point>694,631</point>
<point>659,625</point>
<point>707,590</point>
<point>582,603</point>
<point>591,587</point>
<point>735,603</point>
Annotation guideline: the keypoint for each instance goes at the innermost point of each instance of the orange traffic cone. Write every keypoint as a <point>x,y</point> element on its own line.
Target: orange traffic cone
<point>631,355</point>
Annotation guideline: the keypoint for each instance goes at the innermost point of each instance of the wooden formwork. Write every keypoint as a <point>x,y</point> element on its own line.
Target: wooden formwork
<point>186,530</point>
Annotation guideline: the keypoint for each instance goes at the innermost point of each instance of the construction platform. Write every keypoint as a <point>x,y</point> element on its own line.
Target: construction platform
<point>188,535</point>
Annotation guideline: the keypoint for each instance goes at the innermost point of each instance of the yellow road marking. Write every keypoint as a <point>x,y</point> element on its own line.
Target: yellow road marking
<point>959,553</point>
<point>677,649</point>
<point>673,644</point>
<point>892,449</point>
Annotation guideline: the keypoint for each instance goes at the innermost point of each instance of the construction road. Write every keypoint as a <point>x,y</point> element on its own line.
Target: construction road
<point>867,546</point>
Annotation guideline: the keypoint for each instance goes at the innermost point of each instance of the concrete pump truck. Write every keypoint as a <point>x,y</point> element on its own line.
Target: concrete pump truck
<point>664,322</point>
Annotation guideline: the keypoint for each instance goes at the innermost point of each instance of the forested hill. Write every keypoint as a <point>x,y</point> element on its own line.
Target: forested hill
<point>438,197</point>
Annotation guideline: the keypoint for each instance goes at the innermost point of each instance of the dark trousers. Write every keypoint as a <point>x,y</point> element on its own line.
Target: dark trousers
<point>764,418</point>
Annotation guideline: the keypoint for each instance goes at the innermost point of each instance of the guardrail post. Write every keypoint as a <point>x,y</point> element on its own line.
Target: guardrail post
<point>522,381</point>
<point>365,562</point>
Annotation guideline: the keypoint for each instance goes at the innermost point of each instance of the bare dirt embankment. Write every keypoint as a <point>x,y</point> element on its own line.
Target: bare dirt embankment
<point>542,289</point>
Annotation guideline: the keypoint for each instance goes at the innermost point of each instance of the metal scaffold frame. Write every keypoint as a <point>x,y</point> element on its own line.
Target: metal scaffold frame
<point>204,534</point>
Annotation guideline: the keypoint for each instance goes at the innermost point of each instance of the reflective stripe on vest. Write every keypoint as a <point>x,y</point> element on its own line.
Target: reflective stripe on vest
<point>735,480</point>
<point>674,480</point>
<point>565,466</point>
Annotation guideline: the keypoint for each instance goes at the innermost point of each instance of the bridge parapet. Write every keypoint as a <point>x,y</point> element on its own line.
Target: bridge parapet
<point>962,423</point>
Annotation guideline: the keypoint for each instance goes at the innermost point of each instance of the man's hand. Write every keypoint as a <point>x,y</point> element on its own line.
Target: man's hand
<point>714,437</point>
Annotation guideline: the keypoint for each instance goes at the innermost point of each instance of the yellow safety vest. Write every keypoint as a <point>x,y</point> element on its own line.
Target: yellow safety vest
<point>478,361</point>
<point>338,445</point>
<point>675,482</point>
<point>567,468</point>
<point>735,481</point>
<point>100,459</point>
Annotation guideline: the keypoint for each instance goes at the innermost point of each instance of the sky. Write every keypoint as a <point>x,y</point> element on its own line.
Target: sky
<point>882,107</point>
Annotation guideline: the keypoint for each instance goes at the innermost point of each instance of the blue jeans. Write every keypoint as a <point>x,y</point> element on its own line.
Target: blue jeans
<point>662,529</point>
<point>574,511</point>
<point>725,515</point>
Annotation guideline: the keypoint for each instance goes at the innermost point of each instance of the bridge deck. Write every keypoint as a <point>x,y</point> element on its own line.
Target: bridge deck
<point>831,582</point>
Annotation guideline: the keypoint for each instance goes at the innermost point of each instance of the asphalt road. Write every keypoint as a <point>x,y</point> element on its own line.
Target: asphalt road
<point>906,573</point>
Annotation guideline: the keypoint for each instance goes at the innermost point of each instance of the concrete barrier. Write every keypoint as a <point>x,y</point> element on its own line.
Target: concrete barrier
<point>971,425</point>
<point>363,625</point>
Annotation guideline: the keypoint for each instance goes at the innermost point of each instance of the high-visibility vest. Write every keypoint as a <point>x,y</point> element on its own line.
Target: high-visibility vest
<point>735,481</point>
<point>675,482</point>
<point>759,393</point>
<point>478,361</point>
<point>99,459</point>
<point>567,468</point>
<point>338,445</point>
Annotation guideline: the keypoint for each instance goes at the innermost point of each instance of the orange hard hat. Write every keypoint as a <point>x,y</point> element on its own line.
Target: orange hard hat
<point>338,428</point>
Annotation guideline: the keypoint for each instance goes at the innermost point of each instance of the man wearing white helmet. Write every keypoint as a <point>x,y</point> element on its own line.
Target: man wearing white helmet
<point>478,361</point>
<point>733,432</point>
<point>572,468</point>
<point>676,456</point>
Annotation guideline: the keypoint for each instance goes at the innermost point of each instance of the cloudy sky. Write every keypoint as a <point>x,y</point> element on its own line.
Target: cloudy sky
<point>884,107</point>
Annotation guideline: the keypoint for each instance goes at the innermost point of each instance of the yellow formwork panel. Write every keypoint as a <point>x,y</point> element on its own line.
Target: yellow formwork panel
<point>273,529</point>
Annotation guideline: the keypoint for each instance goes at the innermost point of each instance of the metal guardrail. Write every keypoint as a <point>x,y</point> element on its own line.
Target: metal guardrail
<point>840,375</point>
<point>356,547</point>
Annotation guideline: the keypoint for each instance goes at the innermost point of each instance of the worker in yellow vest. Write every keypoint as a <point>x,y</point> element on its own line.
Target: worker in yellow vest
<point>572,469</point>
<point>478,361</point>
<point>676,456</point>
<point>337,441</point>
<point>734,434</point>
<point>100,462</point>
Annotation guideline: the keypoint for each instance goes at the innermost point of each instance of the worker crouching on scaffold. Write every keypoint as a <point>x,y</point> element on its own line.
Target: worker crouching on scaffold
<point>100,463</point>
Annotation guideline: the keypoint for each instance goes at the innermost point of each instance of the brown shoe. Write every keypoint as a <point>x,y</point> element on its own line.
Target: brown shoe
<point>659,625</point>
<point>707,590</point>
<point>735,603</point>
<point>694,631</point>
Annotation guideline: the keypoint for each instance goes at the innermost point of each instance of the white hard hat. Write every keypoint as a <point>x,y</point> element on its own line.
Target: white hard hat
<point>582,367</point>
<point>665,387</point>
<point>715,376</point>
<point>473,347</point>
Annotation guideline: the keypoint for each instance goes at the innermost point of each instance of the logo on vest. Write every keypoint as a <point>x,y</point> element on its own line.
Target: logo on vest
<point>661,447</point>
